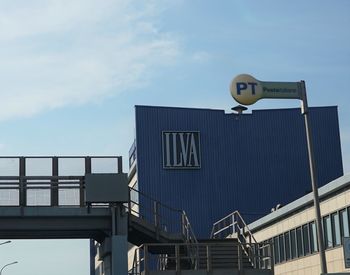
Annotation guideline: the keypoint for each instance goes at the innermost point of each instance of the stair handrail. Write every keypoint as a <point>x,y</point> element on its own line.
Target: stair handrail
<point>250,234</point>
<point>186,229</point>
<point>234,222</point>
<point>185,225</point>
<point>155,209</point>
<point>243,232</point>
<point>190,238</point>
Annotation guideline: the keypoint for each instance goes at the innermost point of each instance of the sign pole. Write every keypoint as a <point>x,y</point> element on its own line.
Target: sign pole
<point>247,90</point>
<point>305,112</point>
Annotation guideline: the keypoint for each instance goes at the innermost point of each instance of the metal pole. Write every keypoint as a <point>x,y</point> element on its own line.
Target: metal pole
<point>22,182</point>
<point>82,201</point>
<point>54,183</point>
<point>305,112</point>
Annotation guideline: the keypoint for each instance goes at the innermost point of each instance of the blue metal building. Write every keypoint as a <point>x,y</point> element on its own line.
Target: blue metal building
<point>210,163</point>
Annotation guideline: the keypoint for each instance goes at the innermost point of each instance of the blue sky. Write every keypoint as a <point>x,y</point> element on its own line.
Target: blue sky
<point>71,72</point>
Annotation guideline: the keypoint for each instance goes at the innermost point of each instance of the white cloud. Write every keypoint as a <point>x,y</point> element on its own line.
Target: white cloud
<point>55,53</point>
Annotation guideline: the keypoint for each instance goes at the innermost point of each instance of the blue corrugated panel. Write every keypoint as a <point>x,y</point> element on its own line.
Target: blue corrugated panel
<point>249,162</point>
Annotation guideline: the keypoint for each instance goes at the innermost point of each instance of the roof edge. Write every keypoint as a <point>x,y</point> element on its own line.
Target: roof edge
<point>286,210</point>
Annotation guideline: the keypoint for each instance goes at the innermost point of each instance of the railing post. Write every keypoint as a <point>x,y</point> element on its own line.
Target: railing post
<point>272,260</point>
<point>120,165</point>
<point>82,202</point>
<point>240,260</point>
<point>54,182</point>
<point>177,258</point>
<point>255,254</point>
<point>87,165</point>
<point>145,259</point>
<point>81,183</point>
<point>183,227</point>
<point>209,261</point>
<point>22,182</point>
<point>233,224</point>
<point>259,255</point>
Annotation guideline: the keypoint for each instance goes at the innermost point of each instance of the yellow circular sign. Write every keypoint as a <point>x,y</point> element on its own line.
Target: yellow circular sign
<point>245,89</point>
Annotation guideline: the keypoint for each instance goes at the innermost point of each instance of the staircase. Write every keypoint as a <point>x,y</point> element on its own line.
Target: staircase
<point>174,247</point>
<point>222,254</point>
<point>256,255</point>
<point>150,221</point>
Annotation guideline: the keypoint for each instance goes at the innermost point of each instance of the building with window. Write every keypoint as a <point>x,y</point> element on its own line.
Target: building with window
<point>292,231</point>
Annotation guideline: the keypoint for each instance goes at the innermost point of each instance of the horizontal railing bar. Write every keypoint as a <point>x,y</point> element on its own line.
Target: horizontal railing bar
<point>199,244</point>
<point>41,177</point>
<point>152,199</point>
<point>77,184</point>
<point>222,229</point>
<point>40,187</point>
<point>59,157</point>
<point>39,205</point>
<point>224,218</point>
<point>49,187</point>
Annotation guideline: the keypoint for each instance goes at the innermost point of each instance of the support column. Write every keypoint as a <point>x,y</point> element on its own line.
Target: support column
<point>115,259</point>
<point>119,239</point>
<point>81,199</point>
<point>119,255</point>
<point>92,257</point>
<point>114,249</point>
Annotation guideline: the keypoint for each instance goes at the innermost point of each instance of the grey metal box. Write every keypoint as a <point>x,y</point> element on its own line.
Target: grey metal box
<point>104,188</point>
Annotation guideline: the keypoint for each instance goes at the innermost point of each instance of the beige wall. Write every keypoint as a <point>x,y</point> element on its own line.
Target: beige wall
<point>308,265</point>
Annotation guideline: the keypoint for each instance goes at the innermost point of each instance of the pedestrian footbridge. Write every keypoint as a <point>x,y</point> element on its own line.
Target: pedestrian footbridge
<point>77,197</point>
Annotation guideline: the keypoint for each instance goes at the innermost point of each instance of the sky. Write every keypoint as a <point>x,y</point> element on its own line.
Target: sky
<point>72,71</point>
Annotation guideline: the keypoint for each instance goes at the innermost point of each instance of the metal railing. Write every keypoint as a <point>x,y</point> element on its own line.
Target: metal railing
<point>175,258</point>
<point>164,218</point>
<point>234,224</point>
<point>23,183</point>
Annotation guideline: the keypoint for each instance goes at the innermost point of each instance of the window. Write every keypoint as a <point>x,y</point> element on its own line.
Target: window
<point>313,237</point>
<point>287,245</point>
<point>327,227</point>
<point>282,252</point>
<point>134,195</point>
<point>300,249</point>
<point>293,244</point>
<point>303,240</point>
<point>336,228</point>
<point>344,222</point>
<point>276,250</point>
<point>306,239</point>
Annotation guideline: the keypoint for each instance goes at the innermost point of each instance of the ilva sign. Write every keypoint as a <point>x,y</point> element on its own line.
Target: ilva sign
<point>181,150</point>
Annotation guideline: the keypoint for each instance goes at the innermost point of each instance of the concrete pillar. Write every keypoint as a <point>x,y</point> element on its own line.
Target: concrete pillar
<point>115,255</point>
<point>119,255</point>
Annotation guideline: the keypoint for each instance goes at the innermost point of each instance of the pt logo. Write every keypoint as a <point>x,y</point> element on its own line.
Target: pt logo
<point>245,89</point>
<point>181,150</point>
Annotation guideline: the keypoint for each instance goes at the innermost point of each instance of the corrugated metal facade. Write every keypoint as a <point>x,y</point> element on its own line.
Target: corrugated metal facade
<point>249,162</point>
